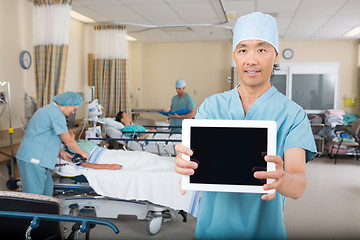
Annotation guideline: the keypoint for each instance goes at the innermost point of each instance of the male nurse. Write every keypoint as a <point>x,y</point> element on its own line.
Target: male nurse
<point>180,101</point>
<point>250,215</point>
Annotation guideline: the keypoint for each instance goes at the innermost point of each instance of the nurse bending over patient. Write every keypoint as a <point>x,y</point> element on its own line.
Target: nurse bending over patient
<point>41,143</point>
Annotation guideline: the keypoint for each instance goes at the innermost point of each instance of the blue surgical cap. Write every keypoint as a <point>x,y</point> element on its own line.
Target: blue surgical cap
<point>180,83</point>
<point>68,99</point>
<point>256,26</point>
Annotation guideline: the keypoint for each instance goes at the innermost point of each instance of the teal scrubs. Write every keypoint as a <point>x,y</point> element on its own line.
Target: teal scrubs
<point>186,101</point>
<point>40,148</point>
<point>133,128</point>
<point>245,215</point>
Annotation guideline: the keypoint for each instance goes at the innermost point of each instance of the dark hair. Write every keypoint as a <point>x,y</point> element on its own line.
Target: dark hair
<point>119,116</point>
<point>276,68</point>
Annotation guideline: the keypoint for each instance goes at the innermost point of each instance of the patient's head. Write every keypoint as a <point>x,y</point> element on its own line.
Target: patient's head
<point>123,117</point>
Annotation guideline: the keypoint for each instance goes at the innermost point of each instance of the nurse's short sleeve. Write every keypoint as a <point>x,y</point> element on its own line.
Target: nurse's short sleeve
<point>191,102</point>
<point>301,136</point>
<point>58,122</point>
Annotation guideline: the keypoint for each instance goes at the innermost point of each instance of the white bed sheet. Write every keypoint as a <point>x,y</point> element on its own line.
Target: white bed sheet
<point>143,177</point>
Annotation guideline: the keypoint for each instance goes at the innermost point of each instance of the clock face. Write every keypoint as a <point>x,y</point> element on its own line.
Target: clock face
<point>288,53</point>
<point>25,59</point>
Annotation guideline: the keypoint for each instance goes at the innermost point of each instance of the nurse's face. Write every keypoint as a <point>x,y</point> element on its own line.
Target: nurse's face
<point>67,110</point>
<point>255,60</point>
<point>180,91</point>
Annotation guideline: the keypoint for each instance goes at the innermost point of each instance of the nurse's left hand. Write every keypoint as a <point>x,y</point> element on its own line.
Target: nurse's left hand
<point>65,155</point>
<point>277,175</point>
<point>174,115</point>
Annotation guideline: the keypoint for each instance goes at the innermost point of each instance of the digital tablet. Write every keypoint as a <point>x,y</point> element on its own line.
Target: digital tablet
<point>228,153</point>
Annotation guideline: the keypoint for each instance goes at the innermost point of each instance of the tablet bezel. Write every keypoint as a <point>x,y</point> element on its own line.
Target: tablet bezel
<point>271,150</point>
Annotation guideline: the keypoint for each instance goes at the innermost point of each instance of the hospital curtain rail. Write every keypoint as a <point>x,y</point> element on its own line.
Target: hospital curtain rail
<point>111,69</point>
<point>51,23</point>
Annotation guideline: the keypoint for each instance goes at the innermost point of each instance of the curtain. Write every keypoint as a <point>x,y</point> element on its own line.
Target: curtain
<point>51,23</point>
<point>111,69</point>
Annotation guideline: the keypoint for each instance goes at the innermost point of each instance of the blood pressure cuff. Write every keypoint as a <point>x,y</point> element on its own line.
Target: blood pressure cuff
<point>78,159</point>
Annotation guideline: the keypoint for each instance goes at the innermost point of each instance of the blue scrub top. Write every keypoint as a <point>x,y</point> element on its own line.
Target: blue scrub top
<point>245,215</point>
<point>41,142</point>
<point>177,103</point>
<point>133,128</point>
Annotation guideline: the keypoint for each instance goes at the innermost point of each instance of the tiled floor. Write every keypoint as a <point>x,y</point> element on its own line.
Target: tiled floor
<point>329,209</point>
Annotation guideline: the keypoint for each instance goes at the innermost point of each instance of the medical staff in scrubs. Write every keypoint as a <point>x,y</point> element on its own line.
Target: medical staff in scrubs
<point>180,101</point>
<point>41,143</point>
<point>249,215</point>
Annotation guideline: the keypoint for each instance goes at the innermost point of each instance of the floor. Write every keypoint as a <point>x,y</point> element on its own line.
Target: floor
<point>328,210</point>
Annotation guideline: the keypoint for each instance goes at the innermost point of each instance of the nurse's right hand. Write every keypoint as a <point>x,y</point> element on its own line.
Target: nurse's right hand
<point>85,155</point>
<point>182,166</point>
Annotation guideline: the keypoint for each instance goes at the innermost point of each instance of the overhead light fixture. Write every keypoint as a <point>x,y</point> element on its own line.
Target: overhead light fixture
<point>129,38</point>
<point>353,32</point>
<point>81,17</point>
<point>230,15</point>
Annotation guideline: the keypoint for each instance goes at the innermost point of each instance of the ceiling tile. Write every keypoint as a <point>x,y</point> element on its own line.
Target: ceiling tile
<point>195,10</point>
<point>312,22</point>
<point>156,12</point>
<point>352,7</point>
<point>297,19</point>
<point>319,7</point>
<point>277,6</point>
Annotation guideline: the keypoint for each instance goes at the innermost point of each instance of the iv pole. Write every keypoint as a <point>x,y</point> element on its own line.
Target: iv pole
<point>11,184</point>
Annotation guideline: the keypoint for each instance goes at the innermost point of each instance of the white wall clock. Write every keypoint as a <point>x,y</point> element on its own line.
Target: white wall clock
<point>288,53</point>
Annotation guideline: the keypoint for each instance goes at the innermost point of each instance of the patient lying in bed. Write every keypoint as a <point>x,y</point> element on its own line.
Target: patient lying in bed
<point>129,127</point>
<point>143,176</point>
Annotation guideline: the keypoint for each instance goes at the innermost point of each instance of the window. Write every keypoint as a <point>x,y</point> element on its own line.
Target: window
<point>314,86</point>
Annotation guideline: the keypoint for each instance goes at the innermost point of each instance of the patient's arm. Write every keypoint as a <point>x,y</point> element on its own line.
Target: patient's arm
<point>101,166</point>
<point>145,135</point>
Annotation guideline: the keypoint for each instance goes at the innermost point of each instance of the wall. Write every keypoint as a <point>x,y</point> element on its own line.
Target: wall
<point>16,32</point>
<point>153,67</point>
<point>204,66</point>
<point>343,51</point>
<point>16,35</point>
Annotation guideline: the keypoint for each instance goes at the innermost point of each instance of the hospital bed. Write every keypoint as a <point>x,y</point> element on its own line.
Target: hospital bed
<point>27,216</point>
<point>160,142</point>
<point>141,192</point>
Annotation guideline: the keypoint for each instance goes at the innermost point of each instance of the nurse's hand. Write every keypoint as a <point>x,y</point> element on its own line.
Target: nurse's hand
<point>183,166</point>
<point>85,155</point>
<point>65,155</point>
<point>174,115</point>
<point>276,175</point>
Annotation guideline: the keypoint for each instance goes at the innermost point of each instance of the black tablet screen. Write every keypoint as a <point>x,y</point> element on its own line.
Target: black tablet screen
<point>228,155</point>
